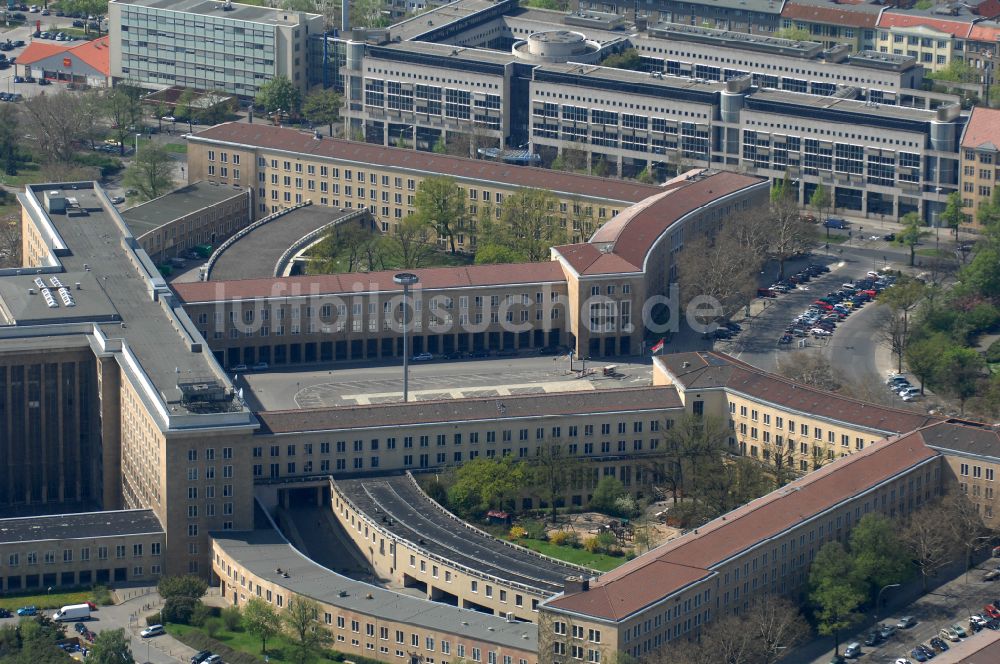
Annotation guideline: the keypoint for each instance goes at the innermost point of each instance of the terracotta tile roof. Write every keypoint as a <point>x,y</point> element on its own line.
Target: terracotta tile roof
<point>95,53</point>
<point>986,31</point>
<point>982,129</point>
<point>293,140</point>
<point>363,282</point>
<point>464,410</point>
<point>634,230</point>
<point>890,19</point>
<point>585,258</point>
<point>717,370</point>
<point>853,15</point>
<point>669,568</point>
<point>989,8</point>
<point>39,50</point>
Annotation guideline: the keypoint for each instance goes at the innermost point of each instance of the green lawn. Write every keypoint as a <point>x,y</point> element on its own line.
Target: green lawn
<point>46,600</point>
<point>341,262</point>
<point>599,561</point>
<point>176,148</point>
<point>26,174</point>
<point>277,647</point>
<point>935,253</point>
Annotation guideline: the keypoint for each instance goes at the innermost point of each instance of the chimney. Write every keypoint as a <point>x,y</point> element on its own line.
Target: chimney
<point>576,584</point>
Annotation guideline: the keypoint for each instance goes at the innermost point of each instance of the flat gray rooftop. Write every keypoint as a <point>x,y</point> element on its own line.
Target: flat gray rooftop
<point>597,72</point>
<point>845,105</point>
<point>449,13</point>
<point>418,519</point>
<point>449,51</point>
<point>118,284</point>
<point>74,526</point>
<point>264,551</point>
<point>214,8</point>
<point>255,255</point>
<point>730,39</point>
<point>178,203</point>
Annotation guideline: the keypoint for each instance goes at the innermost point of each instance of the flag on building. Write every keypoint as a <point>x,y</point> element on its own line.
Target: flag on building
<point>658,346</point>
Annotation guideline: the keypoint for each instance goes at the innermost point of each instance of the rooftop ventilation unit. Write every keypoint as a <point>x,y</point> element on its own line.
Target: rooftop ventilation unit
<point>49,300</point>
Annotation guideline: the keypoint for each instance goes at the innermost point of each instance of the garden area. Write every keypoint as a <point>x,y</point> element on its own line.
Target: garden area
<point>98,595</point>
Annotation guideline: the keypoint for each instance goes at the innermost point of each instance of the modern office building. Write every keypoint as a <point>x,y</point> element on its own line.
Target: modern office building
<point>205,45</point>
<point>530,80</point>
<point>980,159</point>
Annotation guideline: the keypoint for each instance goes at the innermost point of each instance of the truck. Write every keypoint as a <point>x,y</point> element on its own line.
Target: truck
<point>72,613</point>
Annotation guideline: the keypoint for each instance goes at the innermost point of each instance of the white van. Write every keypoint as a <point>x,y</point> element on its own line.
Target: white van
<point>72,613</point>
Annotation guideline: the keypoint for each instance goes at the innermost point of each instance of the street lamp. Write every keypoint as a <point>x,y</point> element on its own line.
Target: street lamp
<point>878,600</point>
<point>406,279</point>
<point>137,145</point>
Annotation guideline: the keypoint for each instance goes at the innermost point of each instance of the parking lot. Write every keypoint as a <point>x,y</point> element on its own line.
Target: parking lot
<point>949,604</point>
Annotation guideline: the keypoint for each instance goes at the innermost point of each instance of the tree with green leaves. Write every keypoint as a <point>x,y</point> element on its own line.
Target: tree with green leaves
<point>530,223</point>
<point>151,173</point>
<point>959,373</point>
<point>187,585</point>
<point>834,591</point>
<point>440,203</point>
<point>953,216</point>
<point>309,638</point>
<point>606,494</point>
<point>879,558</point>
<point>923,357</point>
<point>410,242</point>
<point>550,472</point>
<point>10,135</point>
<point>988,213</point>
<point>820,200</point>
<point>795,34</point>
<point>261,619</point>
<point>484,483</point>
<point>112,646</point>
<point>627,59</point>
<point>912,233</point>
<point>322,107</point>
<point>900,301</point>
<point>279,94</point>
<point>122,108</point>
<point>96,8</point>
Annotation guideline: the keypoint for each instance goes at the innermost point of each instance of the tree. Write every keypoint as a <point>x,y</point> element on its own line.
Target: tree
<point>151,173</point>
<point>10,153</point>
<point>111,647</point>
<point>911,234</point>
<point>279,93</point>
<point>878,557</point>
<point>607,492</point>
<point>353,241</point>
<point>529,224</point>
<point>834,591</point>
<point>959,373</point>
<point>410,242</point>
<point>820,200</point>
<point>550,472</point>
<point>260,619</point>
<point>309,637</point>
<point>187,585</point>
<point>717,264</point>
<point>440,203</point>
<point>492,254</point>
<point>322,107</point>
<point>923,357</point>
<point>900,301</point>
<point>778,627</point>
<point>814,370</point>
<point>58,121</point>
<point>485,483</point>
<point>96,8</point>
<point>790,234</point>
<point>122,108</point>
<point>929,544</point>
<point>964,523</point>
<point>214,108</point>
<point>184,107</point>
<point>953,216</point>
<point>988,213</point>
<point>627,59</point>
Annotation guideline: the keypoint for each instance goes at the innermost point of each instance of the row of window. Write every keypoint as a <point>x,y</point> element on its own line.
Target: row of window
<point>51,557</point>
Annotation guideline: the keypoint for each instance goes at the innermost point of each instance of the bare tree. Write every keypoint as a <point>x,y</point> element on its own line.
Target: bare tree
<point>930,544</point>
<point>810,369</point>
<point>900,301</point>
<point>778,625</point>
<point>789,234</point>
<point>56,122</point>
<point>10,241</point>
<point>964,523</point>
<point>718,265</point>
<point>550,472</point>
<point>410,241</point>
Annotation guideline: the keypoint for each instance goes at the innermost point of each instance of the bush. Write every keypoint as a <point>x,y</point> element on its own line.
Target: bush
<point>201,614</point>
<point>559,537</point>
<point>993,352</point>
<point>630,555</point>
<point>437,492</point>
<point>573,540</point>
<point>102,596</point>
<point>232,618</point>
<point>212,626</point>
<point>534,529</point>
<point>517,532</point>
<point>187,585</point>
<point>108,165</point>
<point>607,541</point>
<point>591,545</point>
<point>154,619</point>
<point>179,609</point>
<point>607,492</point>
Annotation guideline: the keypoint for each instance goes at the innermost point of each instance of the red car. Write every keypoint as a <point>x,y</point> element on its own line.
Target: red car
<point>93,607</point>
<point>991,611</point>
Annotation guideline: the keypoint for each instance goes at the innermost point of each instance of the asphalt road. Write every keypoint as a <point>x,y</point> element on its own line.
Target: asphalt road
<point>382,382</point>
<point>417,519</point>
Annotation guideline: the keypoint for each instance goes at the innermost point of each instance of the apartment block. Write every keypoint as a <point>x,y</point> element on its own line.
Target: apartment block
<point>980,159</point>
<point>220,46</point>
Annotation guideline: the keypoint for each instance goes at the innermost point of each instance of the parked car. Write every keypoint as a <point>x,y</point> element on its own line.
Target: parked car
<point>889,237</point>
<point>19,79</point>
<point>853,650</point>
<point>4,613</point>
<point>948,634</point>
<point>873,639</point>
<point>151,631</point>
<point>78,24</point>
<point>238,368</point>
<point>201,656</point>
<point>44,81</point>
<point>118,200</point>
<point>938,644</point>
<point>79,628</point>
<point>960,631</point>
<point>919,655</point>
<point>906,622</point>
<point>260,366</point>
<point>422,357</point>
<point>834,222</point>
<point>27,610</point>
<point>886,630</point>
